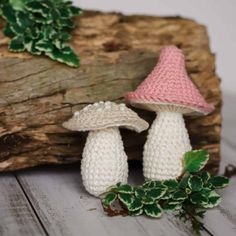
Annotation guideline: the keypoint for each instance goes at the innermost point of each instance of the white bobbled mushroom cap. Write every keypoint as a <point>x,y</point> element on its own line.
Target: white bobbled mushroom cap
<point>103,115</point>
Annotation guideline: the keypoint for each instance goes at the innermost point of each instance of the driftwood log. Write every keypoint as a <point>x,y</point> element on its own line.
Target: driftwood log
<point>117,52</point>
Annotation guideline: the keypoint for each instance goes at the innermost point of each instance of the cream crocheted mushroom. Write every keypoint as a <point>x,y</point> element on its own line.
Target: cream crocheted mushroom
<point>104,162</point>
<point>170,93</point>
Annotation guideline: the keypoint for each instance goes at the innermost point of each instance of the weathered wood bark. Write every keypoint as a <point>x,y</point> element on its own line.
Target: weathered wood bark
<point>117,52</point>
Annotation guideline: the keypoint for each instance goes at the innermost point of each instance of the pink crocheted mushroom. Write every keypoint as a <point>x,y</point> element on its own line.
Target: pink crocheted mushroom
<point>168,91</point>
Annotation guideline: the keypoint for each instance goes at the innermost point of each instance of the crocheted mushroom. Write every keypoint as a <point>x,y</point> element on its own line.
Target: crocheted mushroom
<point>104,162</point>
<point>168,91</point>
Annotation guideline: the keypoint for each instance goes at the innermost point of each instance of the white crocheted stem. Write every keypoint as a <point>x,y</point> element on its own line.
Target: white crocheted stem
<point>104,161</point>
<point>166,143</point>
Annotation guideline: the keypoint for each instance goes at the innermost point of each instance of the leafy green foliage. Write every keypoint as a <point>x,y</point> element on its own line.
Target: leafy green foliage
<point>194,161</point>
<point>41,27</point>
<point>189,196</point>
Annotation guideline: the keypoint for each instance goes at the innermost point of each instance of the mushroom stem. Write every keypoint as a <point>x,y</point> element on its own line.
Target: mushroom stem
<point>167,141</point>
<point>104,161</point>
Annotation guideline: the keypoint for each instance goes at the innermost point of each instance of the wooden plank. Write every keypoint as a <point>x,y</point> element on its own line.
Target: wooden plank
<point>16,214</point>
<point>66,209</point>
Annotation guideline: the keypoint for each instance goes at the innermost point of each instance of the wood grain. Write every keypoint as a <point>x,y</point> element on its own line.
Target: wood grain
<point>117,52</point>
<point>65,208</point>
<point>17,216</point>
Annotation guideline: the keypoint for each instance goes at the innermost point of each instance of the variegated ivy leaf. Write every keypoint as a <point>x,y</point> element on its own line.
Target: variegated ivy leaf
<point>125,188</point>
<point>126,199</point>
<point>171,207</point>
<point>156,193</point>
<point>136,213</point>
<point>44,46</point>
<point>214,200</point>
<point>184,181</point>
<point>219,181</point>
<point>199,199</point>
<point>171,184</point>
<point>8,13</point>
<point>205,176</point>
<point>109,199</point>
<point>135,205</point>
<point>139,193</point>
<point>167,196</point>
<point>195,160</point>
<point>22,19</point>
<point>195,183</point>
<point>35,7</point>
<point>153,210</point>
<point>147,200</point>
<point>17,44</point>
<point>8,31</point>
<point>206,192</point>
<point>38,20</point>
<point>74,11</point>
<point>179,195</point>
<point>69,59</point>
<point>17,29</point>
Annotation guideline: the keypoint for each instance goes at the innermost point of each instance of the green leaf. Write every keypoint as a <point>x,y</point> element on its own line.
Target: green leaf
<point>147,200</point>
<point>167,196</point>
<point>8,31</point>
<point>184,181</point>
<point>136,213</point>
<point>8,14</point>
<point>17,29</point>
<point>109,199</point>
<point>69,59</point>
<point>17,4</point>
<point>126,199</point>
<point>219,181</point>
<point>17,44</point>
<point>199,199</point>
<point>34,6</point>
<point>171,184</point>
<point>205,176</point>
<point>139,193</point>
<point>214,200</point>
<point>65,36</point>
<point>22,20</point>
<point>179,195</point>
<point>195,183</point>
<point>195,160</point>
<point>125,188</point>
<point>135,205</point>
<point>74,11</point>
<point>153,210</point>
<point>149,184</point>
<point>37,20</point>
<point>171,207</point>
<point>44,46</point>
<point>156,193</point>
<point>206,192</point>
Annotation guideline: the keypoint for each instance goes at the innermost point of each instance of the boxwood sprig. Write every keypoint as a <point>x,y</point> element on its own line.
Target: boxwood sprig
<point>41,27</point>
<point>188,197</point>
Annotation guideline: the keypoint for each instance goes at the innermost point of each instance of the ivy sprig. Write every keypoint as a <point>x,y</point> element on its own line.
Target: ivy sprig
<point>188,197</point>
<point>41,27</point>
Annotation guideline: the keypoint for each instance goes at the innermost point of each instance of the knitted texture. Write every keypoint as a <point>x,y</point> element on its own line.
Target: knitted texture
<point>166,144</point>
<point>104,161</point>
<point>169,83</point>
<point>104,115</point>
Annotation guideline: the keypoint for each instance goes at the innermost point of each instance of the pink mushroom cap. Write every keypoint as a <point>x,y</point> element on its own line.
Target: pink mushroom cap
<point>169,84</point>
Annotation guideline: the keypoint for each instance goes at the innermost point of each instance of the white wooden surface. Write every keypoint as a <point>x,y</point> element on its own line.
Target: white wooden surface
<point>52,201</point>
